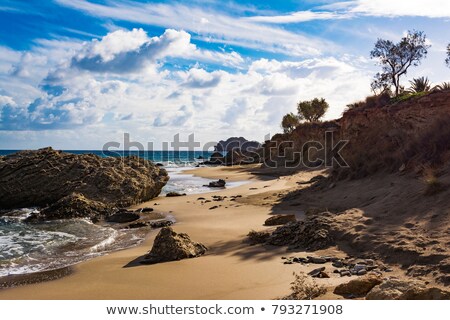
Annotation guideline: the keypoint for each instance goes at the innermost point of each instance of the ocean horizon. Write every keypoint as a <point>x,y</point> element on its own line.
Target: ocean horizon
<point>163,156</point>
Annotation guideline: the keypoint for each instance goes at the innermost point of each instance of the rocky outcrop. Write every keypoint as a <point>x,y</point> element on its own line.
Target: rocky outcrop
<point>405,136</point>
<point>239,143</point>
<point>123,217</point>
<point>43,177</point>
<point>238,151</point>
<point>358,287</point>
<point>74,205</point>
<point>171,246</point>
<point>216,159</point>
<point>311,234</point>
<point>280,219</point>
<point>394,289</point>
<point>216,184</point>
<point>175,194</point>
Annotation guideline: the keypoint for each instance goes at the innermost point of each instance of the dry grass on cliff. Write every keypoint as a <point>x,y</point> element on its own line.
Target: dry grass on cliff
<point>388,147</point>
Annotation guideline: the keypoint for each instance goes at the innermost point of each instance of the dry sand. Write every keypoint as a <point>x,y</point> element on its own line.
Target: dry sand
<point>231,269</point>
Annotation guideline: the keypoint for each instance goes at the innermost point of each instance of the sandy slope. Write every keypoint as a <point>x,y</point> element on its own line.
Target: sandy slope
<point>231,269</point>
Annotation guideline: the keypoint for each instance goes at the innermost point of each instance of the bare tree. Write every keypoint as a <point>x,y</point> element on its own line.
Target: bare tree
<point>396,58</point>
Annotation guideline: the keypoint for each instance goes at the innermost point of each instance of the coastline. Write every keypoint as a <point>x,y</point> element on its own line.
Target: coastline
<point>230,270</point>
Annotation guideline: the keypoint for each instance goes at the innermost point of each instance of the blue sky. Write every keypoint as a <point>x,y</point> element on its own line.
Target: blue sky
<point>75,74</point>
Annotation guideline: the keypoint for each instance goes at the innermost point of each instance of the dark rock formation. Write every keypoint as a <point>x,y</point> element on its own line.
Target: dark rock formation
<point>311,234</point>
<point>239,143</point>
<point>215,159</point>
<point>42,177</point>
<point>257,237</point>
<point>280,219</point>
<point>155,224</point>
<point>74,205</point>
<point>175,194</point>
<point>217,184</point>
<point>171,246</point>
<point>123,217</point>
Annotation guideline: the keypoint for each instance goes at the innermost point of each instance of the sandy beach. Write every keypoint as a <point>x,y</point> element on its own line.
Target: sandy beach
<point>232,269</point>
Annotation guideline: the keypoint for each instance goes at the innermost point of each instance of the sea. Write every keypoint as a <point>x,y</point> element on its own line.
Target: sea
<point>28,248</point>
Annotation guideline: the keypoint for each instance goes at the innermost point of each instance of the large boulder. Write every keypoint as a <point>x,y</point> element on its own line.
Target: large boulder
<point>171,246</point>
<point>42,177</point>
<point>74,205</point>
<point>395,289</point>
<point>280,219</point>
<point>358,287</point>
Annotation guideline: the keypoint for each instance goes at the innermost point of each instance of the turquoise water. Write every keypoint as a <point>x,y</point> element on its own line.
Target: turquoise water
<point>170,158</point>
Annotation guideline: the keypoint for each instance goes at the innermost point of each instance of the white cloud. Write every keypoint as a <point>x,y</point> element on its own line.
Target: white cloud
<point>356,8</point>
<point>300,16</point>
<point>124,51</point>
<point>389,8</point>
<point>207,24</point>
<point>160,102</point>
<point>200,78</point>
<point>420,8</point>
<point>4,100</point>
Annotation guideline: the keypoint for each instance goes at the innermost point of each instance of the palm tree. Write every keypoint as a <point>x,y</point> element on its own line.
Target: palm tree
<point>421,84</point>
<point>444,86</point>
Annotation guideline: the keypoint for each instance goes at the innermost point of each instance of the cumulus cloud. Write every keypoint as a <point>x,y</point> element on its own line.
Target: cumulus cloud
<point>5,100</point>
<point>130,51</point>
<point>199,78</point>
<point>124,51</point>
<point>212,104</point>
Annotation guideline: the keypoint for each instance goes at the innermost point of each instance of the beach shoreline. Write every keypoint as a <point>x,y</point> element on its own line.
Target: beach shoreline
<point>230,270</point>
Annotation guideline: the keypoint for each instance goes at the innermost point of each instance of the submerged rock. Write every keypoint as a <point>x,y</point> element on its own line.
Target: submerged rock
<point>42,177</point>
<point>280,219</point>
<point>170,246</point>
